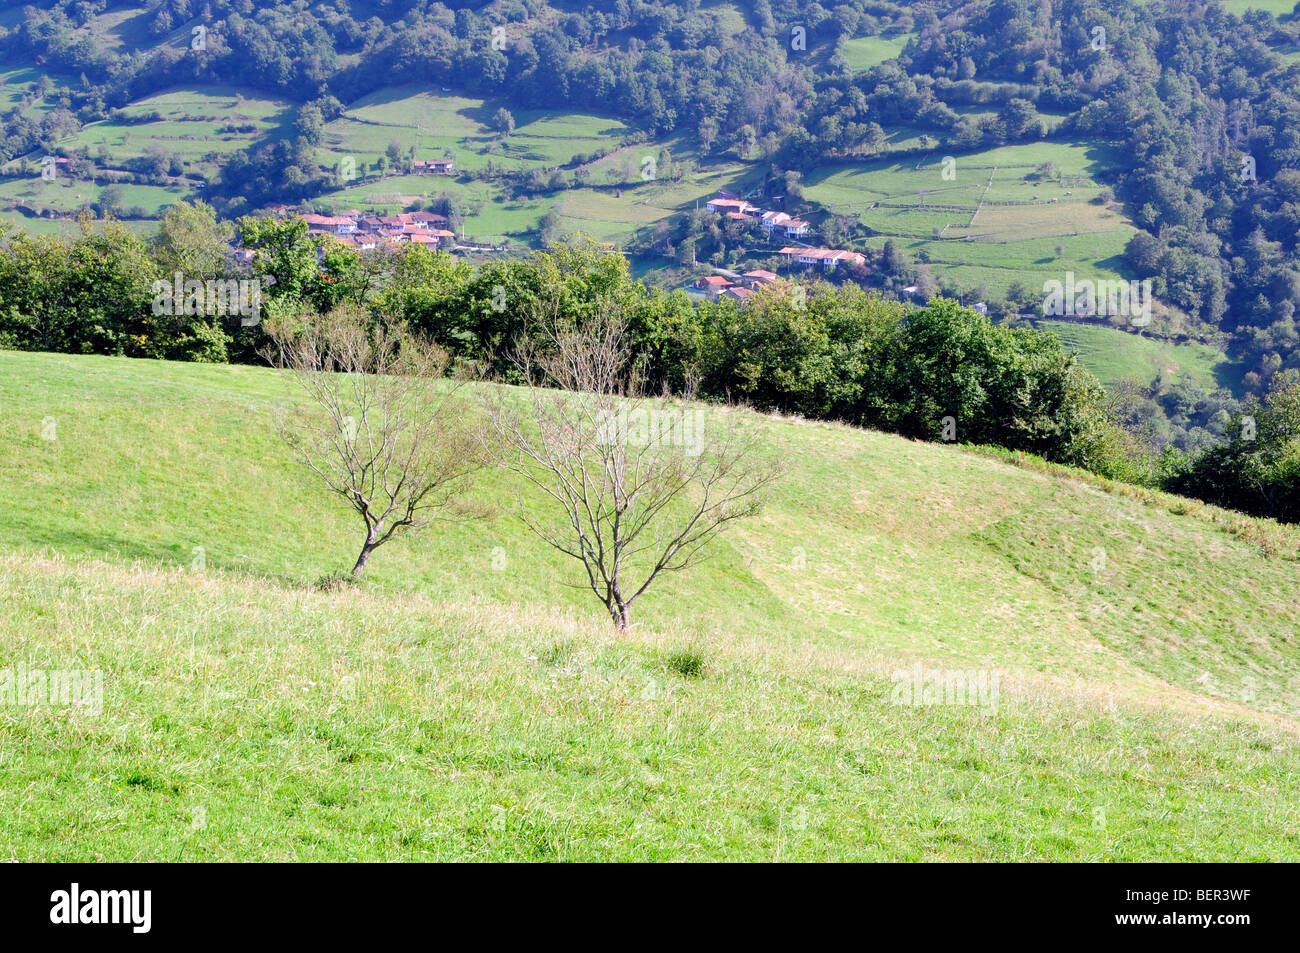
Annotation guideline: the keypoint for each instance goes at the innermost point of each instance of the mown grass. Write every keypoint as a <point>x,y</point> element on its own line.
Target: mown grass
<point>1012,237</point>
<point>467,702</point>
<point>864,52</point>
<point>1115,355</point>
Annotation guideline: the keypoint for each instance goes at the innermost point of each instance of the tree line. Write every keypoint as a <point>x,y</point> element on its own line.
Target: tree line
<point>939,372</point>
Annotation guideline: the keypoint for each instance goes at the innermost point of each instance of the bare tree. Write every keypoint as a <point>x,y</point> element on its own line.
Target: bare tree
<point>383,429</point>
<point>633,486</point>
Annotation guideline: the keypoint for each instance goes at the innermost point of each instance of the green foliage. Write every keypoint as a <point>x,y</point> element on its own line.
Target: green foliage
<point>819,351</point>
<point>687,663</point>
<point>89,296</point>
<point>942,372</point>
<point>1258,469</point>
<point>192,240</point>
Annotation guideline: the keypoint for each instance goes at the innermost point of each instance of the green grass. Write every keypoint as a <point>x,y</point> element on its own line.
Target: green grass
<point>190,124</point>
<point>15,84</point>
<point>67,196</point>
<point>1279,8</point>
<point>467,702</point>
<point>864,52</point>
<point>437,123</point>
<point>1114,355</point>
<point>115,29</point>
<point>993,220</point>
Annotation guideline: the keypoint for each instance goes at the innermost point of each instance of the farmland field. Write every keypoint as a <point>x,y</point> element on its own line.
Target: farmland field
<point>865,52</point>
<point>193,123</point>
<point>1279,8</point>
<point>1114,355</point>
<point>628,190</point>
<point>989,218</point>
<point>15,84</point>
<point>438,123</point>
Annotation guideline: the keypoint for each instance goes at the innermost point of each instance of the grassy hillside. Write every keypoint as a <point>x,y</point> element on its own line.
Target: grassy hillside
<point>1114,355</point>
<point>864,52</point>
<point>467,702</point>
<point>995,219</point>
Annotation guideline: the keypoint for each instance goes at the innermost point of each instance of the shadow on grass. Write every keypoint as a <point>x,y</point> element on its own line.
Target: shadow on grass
<point>165,556</point>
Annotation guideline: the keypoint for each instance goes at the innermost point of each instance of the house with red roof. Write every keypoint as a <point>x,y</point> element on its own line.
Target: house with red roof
<point>828,258</point>
<point>331,224</point>
<point>712,285</point>
<point>737,293</point>
<point>723,206</point>
<point>759,278</point>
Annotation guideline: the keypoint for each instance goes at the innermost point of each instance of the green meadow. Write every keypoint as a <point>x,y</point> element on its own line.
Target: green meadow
<point>1281,9</point>
<point>467,701</point>
<point>193,123</point>
<point>864,52</point>
<point>988,219</point>
<point>436,123</point>
<point>1114,355</point>
<point>625,191</point>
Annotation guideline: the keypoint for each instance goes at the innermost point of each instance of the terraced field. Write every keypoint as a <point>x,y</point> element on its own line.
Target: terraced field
<point>990,218</point>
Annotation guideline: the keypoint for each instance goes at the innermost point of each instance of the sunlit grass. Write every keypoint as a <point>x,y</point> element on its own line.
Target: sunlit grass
<point>466,701</point>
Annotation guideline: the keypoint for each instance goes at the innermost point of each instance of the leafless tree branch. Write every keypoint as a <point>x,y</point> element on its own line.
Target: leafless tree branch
<point>635,486</point>
<point>382,427</point>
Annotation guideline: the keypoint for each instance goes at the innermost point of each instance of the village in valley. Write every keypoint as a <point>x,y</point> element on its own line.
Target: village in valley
<point>368,231</point>
<point>741,287</point>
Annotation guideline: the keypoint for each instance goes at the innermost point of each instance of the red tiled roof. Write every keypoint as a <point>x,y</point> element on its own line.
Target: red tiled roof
<point>328,220</point>
<point>738,204</point>
<point>823,254</point>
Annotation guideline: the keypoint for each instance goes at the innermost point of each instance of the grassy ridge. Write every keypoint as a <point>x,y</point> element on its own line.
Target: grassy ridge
<point>448,708</point>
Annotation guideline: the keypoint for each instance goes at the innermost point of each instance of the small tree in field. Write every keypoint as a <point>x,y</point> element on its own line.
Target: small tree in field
<point>383,428</point>
<point>632,486</point>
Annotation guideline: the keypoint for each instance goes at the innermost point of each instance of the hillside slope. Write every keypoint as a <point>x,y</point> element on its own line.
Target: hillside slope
<point>1148,659</point>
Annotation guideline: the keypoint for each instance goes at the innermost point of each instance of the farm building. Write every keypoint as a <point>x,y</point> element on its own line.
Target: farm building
<point>828,258</point>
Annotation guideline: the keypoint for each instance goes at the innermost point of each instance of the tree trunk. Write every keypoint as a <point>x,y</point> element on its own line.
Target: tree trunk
<point>619,610</point>
<point>622,616</point>
<point>364,558</point>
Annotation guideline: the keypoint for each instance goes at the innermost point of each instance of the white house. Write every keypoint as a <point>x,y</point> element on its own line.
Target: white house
<point>723,206</point>
<point>828,258</point>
